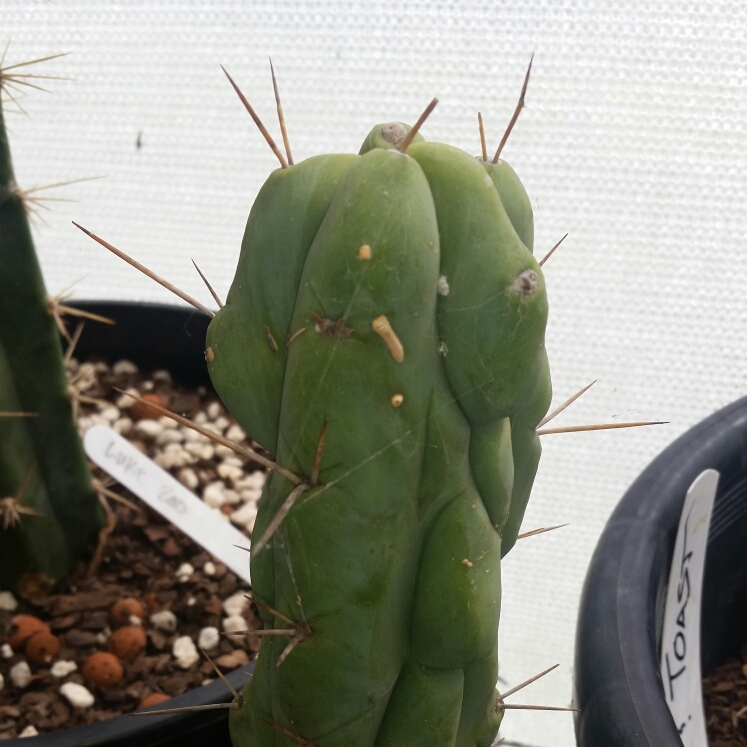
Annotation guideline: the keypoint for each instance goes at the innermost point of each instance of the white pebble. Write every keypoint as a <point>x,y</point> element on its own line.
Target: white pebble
<point>209,568</point>
<point>77,695</point>
<point>147,386</point>
<point>221,423</point>
<point>188,478</point>
<point>6,651</point>
<point>201,418</point>
<point>135,620</point>
<point>208,639</point>
<point>200,450</point>
<point>193,437</point>
<point>231,497</point>
<point>122,426</point>
<point>148,428</point>
<point>29,731</point>
<point>20,674</point>
<point>223,451</point>
<point>170,436</point>
<point>124,401</point>
<point>2,682</point>
<point>183,573</point>
<point>101,367</point>
<point>162,375</point>
<point>192,601</point>
<point>7,601</point>
<point>236,433</point>
<point>62,669</point>
<point>255,480</point>
<point>185,652</point>
<point>235,624</point>
<point>166,620</point>
<point>251,496</point>
<point>235,604</point>
<point>213,494</point>
<point>173,456</point>
<point>103,636</point>
<point>230,472</point>
<point>214,410</point>
<point>123,367</point>
<point>245,516</point>
<point>110,414</point>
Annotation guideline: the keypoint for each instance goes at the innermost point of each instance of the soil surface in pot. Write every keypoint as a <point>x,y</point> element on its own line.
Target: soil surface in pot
<point>187,597</point>
<point>725,703</point>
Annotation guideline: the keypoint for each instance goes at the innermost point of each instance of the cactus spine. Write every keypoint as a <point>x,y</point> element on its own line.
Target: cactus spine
<point>42,464</point>
<point>390,302</point>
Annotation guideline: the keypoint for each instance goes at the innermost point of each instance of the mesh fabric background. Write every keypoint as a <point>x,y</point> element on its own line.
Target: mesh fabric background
<point>633,141</point>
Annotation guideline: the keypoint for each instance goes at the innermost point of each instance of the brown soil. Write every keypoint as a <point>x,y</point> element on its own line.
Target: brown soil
<point>138,556</point>
<point>725,703</point>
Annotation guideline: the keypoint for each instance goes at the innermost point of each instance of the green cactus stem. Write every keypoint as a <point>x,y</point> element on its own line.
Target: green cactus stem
<point>43,451</point>
<point>391,302</point>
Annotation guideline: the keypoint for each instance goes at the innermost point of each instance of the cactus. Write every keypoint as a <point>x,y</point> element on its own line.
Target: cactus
<point>384,338</point>
<point>43,469</point>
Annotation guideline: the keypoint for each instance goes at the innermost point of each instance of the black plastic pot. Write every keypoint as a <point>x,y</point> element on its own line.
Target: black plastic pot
<point>617,682</point>
<point>153,336</point>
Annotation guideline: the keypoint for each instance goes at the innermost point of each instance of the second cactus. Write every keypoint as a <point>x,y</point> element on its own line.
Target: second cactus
<point>384,338</point>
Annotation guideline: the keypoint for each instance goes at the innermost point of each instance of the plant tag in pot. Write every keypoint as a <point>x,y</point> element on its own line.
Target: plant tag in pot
<point>680,642</point>
<point>163,493</point>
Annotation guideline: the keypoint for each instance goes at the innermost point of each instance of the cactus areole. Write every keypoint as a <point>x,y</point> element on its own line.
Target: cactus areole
<point>391,302</point>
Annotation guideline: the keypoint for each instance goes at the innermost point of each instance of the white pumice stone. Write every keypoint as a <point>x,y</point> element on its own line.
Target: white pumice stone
<point>193,436</point>
<point>29,731</point>
<point>207,681</point>
<point>213,494</point>
<point>188,478</point>
<point>166,422</point>
<point>123,367</point>
<point>245,515</point>
<point>147,386</point>
<point>62,668</point>
<point>257,479</point>
<point>231,497</point>
<point>8,602</point>
<point>124,401</point>
<point>191,602</point>
<point>185,652</point>
<point>214,410</point>
<point>20,674</point>
<point>77,695</point>
<point>223,451</point>
<point>135,620</point>
<point>221,423</point>
<point>162,375</point>
<point>235,604</point>
<point>2,682</point>
<point>122,426</point>
<point>230,472</point>
<point>164,620</point>
<point>201,418</point>
<point>148,428</point>
<point>209,568</point>
<point>235,624</point>
<point>110,414</point>
<point>208,639</point>
<point>236,433</point>
<point>251,496</point>
<point>183,572</point>
<point>6,651</point>
<point>170,436</point>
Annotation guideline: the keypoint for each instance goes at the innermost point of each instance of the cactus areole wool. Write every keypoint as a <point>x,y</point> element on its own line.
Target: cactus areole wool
<point>384,338</point>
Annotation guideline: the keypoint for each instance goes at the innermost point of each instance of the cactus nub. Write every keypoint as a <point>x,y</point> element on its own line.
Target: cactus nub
<point>386,558</point>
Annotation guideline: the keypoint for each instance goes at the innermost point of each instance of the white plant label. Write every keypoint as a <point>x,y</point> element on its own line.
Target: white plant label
<point>680,642</point>
<point>168,496</point>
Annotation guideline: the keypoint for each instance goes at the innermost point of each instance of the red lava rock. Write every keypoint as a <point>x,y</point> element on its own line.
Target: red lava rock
<point>170,548</point>
<point>153,699</point>
<point>142,410</point>
<point>103,669</point>
<point>128,642</point>
<point>42,647</point>
<point>227,509</point>
<point>124,609</point>
<point>24,626</point>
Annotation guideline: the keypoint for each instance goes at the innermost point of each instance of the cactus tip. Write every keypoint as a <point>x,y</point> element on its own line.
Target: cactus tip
<point>552,251</point>
<point>209,287</point>
<point>517,111</point>
<point>414,131</point>
<point>483,145</point>
<point>281,116</point>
